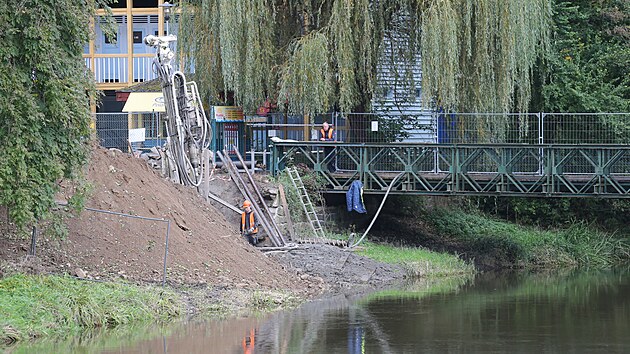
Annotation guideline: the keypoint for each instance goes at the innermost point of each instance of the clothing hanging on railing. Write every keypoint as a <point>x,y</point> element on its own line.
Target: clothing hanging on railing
<point>354,197</point>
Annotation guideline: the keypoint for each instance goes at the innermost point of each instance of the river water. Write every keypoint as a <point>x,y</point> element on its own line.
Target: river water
<point>572,311</point>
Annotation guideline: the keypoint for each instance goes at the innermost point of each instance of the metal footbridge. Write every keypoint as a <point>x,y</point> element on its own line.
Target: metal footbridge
<point>480,169</point>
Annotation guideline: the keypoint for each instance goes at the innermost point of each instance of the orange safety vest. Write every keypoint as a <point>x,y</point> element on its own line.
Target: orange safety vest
<point>330,133</point>
<point>249,343</point>
<point>251,221</point>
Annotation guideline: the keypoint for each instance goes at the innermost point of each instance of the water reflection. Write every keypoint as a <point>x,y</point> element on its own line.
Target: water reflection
<point>517,312</point>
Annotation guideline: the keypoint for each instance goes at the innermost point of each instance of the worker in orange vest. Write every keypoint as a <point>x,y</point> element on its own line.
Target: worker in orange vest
<point>249,223</point>
<point>327,133</point>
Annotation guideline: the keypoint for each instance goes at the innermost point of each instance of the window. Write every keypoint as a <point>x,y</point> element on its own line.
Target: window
<point>137,37</point>
<point>146,3</point>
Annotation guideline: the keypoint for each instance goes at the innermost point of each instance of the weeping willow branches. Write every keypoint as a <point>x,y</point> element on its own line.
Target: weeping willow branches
<point>351,32</point>
<point>306,82</point>
<point>230,41</point>
<point>312,55</point>
<point>477,55</point>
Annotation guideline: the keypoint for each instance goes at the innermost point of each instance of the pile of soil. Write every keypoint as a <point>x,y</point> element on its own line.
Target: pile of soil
<point>204,245</point>
<point>203,248</point>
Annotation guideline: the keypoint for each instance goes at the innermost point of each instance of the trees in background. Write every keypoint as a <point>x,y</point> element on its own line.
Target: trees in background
<point>586,70</point>
<point>588,66</point>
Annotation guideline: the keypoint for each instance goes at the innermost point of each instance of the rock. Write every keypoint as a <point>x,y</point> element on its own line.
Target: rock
<point>276,202</point>
<point>80,273</point>
<point>241,285</point>
<point>115,151</point>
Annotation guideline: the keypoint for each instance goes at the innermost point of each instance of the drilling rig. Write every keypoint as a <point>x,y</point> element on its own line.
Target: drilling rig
<point>188,131</point>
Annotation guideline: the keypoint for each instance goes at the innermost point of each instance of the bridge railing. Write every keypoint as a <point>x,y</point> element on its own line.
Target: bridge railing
<point>585,128</point>
<point>457,128</point>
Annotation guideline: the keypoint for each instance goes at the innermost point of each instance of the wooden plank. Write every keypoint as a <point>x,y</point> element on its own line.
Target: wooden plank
<point>230,206</point>
<point>271,220</point>
<point>285,207</point>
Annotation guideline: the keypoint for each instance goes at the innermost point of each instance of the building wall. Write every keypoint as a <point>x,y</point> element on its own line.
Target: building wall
<point>125,60</point>
<point>399,90</point>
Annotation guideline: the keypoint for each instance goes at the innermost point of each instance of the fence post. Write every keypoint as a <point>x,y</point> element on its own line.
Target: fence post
<point>541,141</point>
<point>168,230</point>
<point>33,239</point>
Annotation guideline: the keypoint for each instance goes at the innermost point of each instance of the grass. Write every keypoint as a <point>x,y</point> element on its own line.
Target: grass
<point>418,262</point>
<point>37,306</point>
<point>521,246</point>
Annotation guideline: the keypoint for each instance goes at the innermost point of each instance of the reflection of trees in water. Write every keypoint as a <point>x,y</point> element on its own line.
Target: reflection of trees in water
<point>338,322</point>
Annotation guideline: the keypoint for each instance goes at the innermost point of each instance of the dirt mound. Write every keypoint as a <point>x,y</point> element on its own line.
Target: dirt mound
<point>203,246</point>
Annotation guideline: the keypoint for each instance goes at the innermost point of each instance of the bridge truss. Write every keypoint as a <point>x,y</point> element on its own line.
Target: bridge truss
<point>535,170</point>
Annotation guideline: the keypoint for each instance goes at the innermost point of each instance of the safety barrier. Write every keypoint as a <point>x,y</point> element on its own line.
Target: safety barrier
<point>112,129</point>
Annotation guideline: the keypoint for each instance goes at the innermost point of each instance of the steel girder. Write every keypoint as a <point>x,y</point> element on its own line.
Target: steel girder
<point>476,169</point>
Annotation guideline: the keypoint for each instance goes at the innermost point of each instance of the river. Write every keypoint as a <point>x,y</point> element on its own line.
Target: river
<point>558,312</point>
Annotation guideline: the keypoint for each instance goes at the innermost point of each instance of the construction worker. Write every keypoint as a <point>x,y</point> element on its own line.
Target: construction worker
<point>327,133</point>
<point>249,223</point>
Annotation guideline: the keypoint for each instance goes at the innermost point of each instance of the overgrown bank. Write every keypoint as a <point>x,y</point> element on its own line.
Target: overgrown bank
<point>34,306</point>
<point>494,243</point>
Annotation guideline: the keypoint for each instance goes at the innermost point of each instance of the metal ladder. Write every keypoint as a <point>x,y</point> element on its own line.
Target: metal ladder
<point>307,205</point>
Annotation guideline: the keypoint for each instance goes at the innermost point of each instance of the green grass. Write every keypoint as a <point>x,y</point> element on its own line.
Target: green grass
<point>417,261</point>
<point>578,244</point>
<point>37,306</point>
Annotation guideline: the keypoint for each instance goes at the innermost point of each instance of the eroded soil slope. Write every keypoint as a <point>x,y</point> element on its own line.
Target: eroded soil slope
<point>204,248</point>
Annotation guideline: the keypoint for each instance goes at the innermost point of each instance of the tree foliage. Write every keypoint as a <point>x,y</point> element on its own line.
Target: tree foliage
<point>45,93</point>
<point>588,69</point>
<point>476,54</point>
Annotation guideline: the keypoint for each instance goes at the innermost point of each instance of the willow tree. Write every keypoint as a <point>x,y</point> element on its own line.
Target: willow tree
<point>45,93</point>
<point>313,55</point>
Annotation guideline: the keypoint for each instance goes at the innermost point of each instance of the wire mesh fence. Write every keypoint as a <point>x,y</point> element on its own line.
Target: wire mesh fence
<point>487,128</point>
<point>446,128</point>
<point>585,128</point>
<point>113,130</point>
<point>451,128</point>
